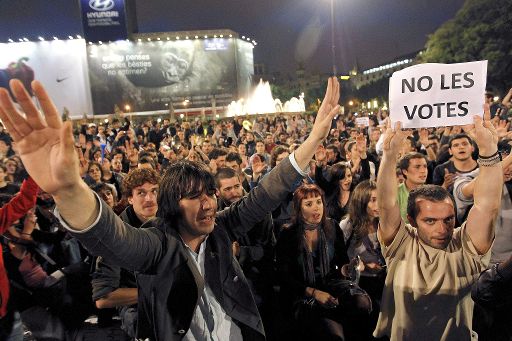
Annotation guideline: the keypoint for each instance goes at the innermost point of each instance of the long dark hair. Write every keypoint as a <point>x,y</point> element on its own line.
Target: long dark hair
<point>357,209</point>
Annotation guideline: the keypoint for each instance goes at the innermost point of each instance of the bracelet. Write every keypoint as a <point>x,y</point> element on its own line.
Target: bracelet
<point>27,234</point>
<point>488,157</point>
<point>313,293</point>
<point>489,161</point>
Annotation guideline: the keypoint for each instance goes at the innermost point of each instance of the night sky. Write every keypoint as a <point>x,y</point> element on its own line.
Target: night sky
<point>369,32</point>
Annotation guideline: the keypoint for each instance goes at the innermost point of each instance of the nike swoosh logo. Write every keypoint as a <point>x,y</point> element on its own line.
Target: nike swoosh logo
<point>61,79</point>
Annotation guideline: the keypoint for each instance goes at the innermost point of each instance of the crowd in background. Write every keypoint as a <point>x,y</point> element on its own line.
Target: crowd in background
<point>55,284</point>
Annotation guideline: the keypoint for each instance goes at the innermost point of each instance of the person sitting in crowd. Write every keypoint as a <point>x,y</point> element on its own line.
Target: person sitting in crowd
<point>310,255</point>
<point>113,286</point>
<point>413,167</point>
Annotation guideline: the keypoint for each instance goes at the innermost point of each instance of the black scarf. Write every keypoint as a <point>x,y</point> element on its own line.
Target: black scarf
<point>307,257</point>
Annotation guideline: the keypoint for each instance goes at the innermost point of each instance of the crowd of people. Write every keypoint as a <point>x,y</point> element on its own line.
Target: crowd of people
<point>303,227</point>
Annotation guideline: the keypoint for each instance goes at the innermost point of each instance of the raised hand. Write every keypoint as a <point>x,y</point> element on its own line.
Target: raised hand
<point>486,136</point>
<point>45,144</point>
<point>393,139</point>
<point>327,110</point>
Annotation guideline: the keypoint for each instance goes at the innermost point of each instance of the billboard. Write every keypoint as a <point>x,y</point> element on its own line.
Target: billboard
<point>60,65</point>
<point>147,75</point>
<point>104,20</point>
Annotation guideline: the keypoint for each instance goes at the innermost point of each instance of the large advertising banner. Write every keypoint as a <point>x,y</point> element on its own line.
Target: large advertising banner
<point>151,75</point>
<point>60,65</point>
<point>104,20</point>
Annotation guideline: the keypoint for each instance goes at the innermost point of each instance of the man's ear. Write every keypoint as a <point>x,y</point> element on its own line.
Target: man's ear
<point>130,200</point>
<point>412,221</point>
<point>217,192</point>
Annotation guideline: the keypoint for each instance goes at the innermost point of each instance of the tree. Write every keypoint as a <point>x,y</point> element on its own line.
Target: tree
<point>480,31</point>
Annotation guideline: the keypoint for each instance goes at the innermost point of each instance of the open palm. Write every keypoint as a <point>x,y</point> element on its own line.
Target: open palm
<point>45,144</point>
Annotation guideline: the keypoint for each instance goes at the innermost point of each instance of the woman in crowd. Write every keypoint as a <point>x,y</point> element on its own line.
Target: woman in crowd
<point>359,229</point>
<point>339,188</point>
<point>94,173</point>
<point>310,255</point>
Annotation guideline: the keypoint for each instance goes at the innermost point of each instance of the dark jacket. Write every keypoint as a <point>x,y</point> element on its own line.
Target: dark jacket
<point>290,263</point>
<point>492,293</point>
<point>168,280</point>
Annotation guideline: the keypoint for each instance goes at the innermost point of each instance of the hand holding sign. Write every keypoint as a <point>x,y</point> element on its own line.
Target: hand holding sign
<point>432,95</point>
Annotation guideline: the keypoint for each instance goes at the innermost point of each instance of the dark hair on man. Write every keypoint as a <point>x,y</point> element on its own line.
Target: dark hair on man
<point>275,153</point>
<point>404,162</point>
<point>216,152</point>
<point>427,192</point>
<point>233,156</point>
<point>138,177</point>
<point>457,137</point>
<point>224,173</point>
<point>183,179</point>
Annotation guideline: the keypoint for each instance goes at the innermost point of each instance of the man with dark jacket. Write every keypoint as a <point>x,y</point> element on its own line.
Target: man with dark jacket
<point>254,250</point>
<point>190,286</point>
<point>113,286</point>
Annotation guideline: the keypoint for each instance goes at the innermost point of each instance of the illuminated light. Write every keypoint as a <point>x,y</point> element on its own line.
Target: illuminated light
<point>90,43</point>
<point>25,39</point>
<point>215,36</point>
<point>158,38</point>
<point>40,38</point>
<point>149,39</point>
<point>243,37</point>
<point>196,37</point>
<point>70,37</point>
<point>166,104</point>
<point>368,104</point>
<point>55,38</point>
<point>159,120</point>
<point>496,98</point>
<point>344,78</point>
<point>248,39</point>
<point>351,103</point>
<point>375,104</point>
<point>127,107</point>
<point>106,120</point>
<point>181,115</point>
<point>20,39</point>
<point>177,38</point>
<point>168,38</point>
<point>231,36</point>
<point>78,36</point>
<point>100,42</point>
<point>222,36</point>
<point>255,44</point>
<point>186,37</point>
<point>205,36</point>
<point>217,116</point>
<point>10,40</point>
<point>139,39</point>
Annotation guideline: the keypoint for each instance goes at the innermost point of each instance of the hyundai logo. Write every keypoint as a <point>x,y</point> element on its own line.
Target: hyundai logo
<point>101,5</point>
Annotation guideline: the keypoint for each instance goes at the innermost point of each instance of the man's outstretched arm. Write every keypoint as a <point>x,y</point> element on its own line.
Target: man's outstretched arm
<point>387,184</point>
<point>46,147</point>
<point>488,187</point>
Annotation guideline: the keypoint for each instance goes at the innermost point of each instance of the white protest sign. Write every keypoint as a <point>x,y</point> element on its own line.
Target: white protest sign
<point>362,121</point>
<point>434,95</point>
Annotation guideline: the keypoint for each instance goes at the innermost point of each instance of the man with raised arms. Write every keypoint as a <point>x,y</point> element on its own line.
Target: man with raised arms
<point>431,264</point>
<point>190,286</point>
